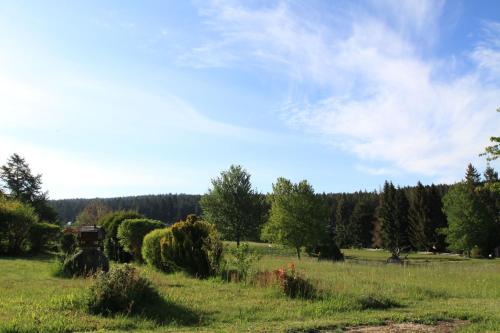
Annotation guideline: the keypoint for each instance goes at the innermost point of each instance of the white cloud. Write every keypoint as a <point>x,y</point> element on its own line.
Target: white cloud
<point>365,87</point>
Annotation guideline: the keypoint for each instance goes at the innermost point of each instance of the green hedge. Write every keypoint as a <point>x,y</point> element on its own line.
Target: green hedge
<point>131,234</point>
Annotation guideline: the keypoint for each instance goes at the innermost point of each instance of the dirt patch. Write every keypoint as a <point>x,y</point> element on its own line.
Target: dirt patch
<point>440,327</point>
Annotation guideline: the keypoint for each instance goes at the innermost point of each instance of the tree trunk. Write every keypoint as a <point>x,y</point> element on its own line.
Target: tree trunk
<point>298,252</point>
<point>237,240</point>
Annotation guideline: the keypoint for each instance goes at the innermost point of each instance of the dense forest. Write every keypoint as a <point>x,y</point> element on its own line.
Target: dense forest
<point>352,216</point>
<point>168,208</point>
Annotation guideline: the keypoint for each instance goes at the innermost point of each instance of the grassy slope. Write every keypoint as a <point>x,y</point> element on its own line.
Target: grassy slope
<point>31,299</point>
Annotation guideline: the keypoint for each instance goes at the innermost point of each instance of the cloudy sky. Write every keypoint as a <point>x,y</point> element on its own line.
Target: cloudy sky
<point>108,98</point>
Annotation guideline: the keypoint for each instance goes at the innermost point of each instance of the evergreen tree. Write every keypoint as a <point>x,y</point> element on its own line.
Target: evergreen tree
<point>419,217</point>
<point>472,177</point>
<point>393,217</point>
<point>437,218</point>
<point>22,185</point>
<point>343,232</point>
<point>490,175</point>
<point>361,224</point>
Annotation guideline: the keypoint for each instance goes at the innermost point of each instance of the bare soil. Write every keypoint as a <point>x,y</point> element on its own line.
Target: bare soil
<point>440,327</point>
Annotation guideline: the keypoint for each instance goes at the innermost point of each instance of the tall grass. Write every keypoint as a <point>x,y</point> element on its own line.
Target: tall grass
<point>361,290</point>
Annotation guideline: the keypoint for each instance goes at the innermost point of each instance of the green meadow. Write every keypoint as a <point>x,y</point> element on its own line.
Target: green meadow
<point>363,290</point>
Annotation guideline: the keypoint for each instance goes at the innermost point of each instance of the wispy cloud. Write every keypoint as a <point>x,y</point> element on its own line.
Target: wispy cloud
<point>362,83</point>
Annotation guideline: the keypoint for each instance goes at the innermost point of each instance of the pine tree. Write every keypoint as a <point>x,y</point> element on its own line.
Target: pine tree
<point>490,175</point>
<point>472,177</point>
<point>393,217</point>
<point>361,224</point>
<point>343,232</point>
<point>420,228</point>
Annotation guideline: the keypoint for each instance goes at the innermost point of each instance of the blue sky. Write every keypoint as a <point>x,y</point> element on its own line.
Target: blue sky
<point>108,98</point>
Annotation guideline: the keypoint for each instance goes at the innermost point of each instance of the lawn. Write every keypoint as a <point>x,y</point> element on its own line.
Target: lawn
<point>428,289</point>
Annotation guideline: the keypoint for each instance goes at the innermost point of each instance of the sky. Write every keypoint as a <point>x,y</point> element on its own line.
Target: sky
<point>116,98</point>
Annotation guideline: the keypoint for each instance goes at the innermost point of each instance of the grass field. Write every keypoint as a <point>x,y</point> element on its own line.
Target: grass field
<point>430,288</point>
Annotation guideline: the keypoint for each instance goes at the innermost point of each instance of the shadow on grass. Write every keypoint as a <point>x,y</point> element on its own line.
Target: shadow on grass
<point>155,308</point>
<point>44,257</point>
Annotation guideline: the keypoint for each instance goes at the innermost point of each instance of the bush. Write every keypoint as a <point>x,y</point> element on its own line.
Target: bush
<point>42,234</point>
<point>85,262</point>
<point>240,261</point>
<point>151,247</point>
<point>16,219</point>
<point>293,285</point>
<point>68,243</point>
<point>121,290</point>
<point>326,250</point>
<point>131,234</point>
<point>111,222</point>
<point>193,246</point>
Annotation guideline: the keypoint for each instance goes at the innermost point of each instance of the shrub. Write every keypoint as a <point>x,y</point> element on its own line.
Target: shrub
<point>192,245</point>
<point>326,250</point>
<point>240,261</point>
<point>293,285</point>
<point>42,234</point>
<point>68,243</point>
<point>121,290</point>
<point>85,262</point>
<point>111,222</point>
<point>131,234</point>
<point>16,219</point>
<point>151,247</point>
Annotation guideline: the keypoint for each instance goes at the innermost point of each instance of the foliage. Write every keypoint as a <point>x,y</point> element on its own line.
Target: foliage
<point>472,177</point>
<point>131,233</point>
<point>151,247</point>
<point>121,290</point>
<point>326,249</point>
<point>393,217</point>
<point>193,246</point>
<point>22,185</point>
<point>233,206</point>
<point>470,222</point>
<point>298,217</point>
<point>111,222</point>
<point>293,285</point>
<point>425,218</point>
<point>241,259</point>
<point>164,207</point>
<point>68,243</point>
<point>16,220</point>
<point>343,228</point>
<point>85,262</point>
<point>41,235</point>
<point>92,213</point>
<point>361,223</point>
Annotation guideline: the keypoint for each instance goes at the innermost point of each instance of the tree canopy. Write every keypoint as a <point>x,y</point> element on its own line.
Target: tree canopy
<point>233,206</point>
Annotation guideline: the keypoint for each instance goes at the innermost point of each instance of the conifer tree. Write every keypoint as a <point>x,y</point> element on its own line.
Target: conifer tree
<point>490,175</point>
<point>472,177</point>
<point>393,217</point>
<point>361,224</point>
<point>420,228</point>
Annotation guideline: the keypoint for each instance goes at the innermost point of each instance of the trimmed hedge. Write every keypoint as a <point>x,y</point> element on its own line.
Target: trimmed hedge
<point>151,249</point>
<point>131,234</point>
<point>111,222</point>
